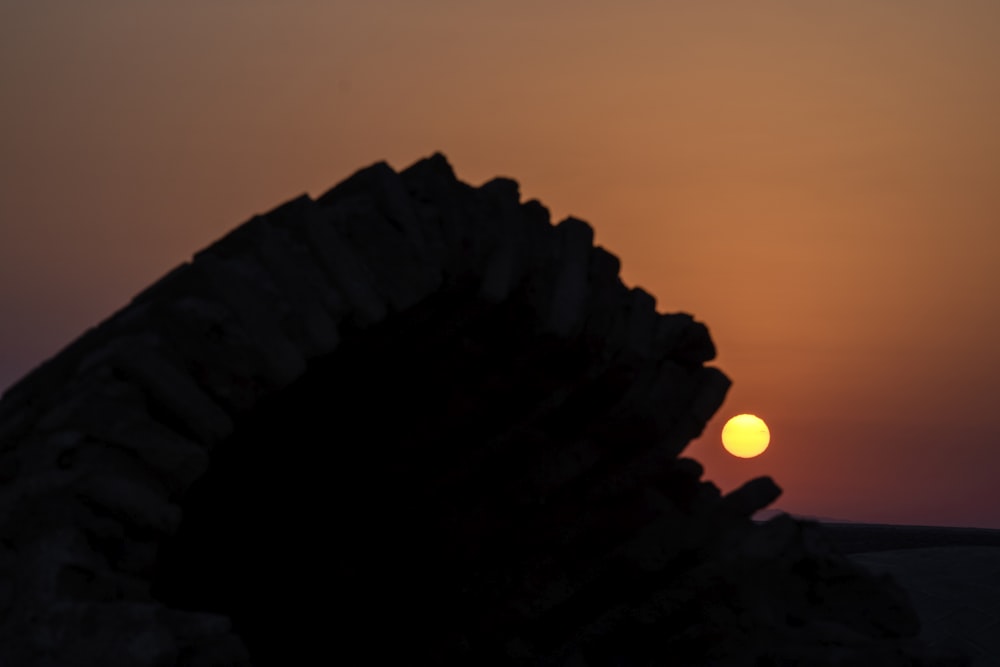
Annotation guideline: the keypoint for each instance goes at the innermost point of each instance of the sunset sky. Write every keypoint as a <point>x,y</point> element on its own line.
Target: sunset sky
<point>818,182</point>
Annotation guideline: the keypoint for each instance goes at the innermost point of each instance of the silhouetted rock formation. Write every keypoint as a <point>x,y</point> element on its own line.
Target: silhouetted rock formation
<point>410,421</point>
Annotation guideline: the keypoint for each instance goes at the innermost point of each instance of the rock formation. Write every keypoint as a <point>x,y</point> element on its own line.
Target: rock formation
<point>413,422</point>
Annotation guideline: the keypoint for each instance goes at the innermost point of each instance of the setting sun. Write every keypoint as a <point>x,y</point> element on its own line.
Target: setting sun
<point>745,436</point>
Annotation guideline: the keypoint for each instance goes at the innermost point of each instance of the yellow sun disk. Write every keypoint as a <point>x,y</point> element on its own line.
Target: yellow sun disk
<point>745,436</point>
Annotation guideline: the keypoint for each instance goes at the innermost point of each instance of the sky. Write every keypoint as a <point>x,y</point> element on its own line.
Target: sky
<point>818,182</point>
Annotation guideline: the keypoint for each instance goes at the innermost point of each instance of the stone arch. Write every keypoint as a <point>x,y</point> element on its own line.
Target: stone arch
<point>426,384</point>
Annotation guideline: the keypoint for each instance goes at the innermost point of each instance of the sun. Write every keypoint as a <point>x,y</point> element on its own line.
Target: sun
<point>745,436</point>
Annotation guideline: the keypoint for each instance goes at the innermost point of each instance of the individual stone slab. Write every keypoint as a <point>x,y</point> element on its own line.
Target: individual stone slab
<point>74,451</point>
<point>232,299</point>
<point>312,305</point>
<point>713,385</point>
<point>403,275</point>
<point>695,346</point>
<point>510,258</point>
<point>244,288</point>
<point>345,267</point>
<point>670,331</point>
<point>115,634</point>
<point>218,351</point>
<point>606,325</point>
<point>569,293</point>
<point>130,501</point>
<point>445,207</point>
<point>114,414</point>
<point>389,192</point>
<point>753,496</point>
<point>495,211</point>
<point>142,361</point>
<point>642,323</point>
<point>502,268</point>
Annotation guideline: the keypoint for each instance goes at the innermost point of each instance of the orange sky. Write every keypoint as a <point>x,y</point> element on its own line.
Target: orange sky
<point>818,182</point>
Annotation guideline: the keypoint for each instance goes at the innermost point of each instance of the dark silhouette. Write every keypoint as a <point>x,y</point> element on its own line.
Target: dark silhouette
<point>410,422</point>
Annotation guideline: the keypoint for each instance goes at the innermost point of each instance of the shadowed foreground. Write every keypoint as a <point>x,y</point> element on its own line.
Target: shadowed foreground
<point>416,422</point>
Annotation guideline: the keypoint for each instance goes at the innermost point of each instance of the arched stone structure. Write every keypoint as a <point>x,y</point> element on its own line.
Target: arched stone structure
<point>414,421</point>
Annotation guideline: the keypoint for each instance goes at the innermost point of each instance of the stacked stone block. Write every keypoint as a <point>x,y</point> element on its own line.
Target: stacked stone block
<point>534,511</point>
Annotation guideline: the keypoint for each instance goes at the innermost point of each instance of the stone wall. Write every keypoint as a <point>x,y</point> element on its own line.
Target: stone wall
<point>414,421</point>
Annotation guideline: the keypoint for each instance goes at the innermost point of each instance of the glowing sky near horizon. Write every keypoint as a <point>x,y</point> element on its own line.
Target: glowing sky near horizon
<point>817,182</point>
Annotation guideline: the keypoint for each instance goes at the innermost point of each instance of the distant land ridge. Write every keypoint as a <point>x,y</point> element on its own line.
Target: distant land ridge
<point>410,421</point>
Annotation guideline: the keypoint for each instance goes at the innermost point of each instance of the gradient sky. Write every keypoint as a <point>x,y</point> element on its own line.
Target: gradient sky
<point>818,182</point>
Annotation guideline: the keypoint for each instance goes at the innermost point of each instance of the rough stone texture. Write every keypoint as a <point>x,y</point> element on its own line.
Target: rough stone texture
<point>413,422</point>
